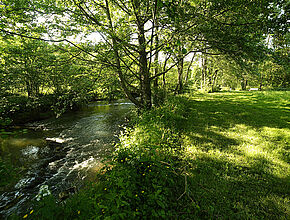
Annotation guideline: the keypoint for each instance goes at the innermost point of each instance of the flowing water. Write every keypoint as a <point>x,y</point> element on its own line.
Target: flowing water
<point>60,153</point>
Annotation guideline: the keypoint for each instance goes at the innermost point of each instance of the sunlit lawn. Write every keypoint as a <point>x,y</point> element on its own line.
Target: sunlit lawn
<point>237,145</point>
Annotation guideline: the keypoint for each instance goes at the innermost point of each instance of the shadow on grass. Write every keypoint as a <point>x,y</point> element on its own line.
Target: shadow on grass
<point>207,119</point>
<point>257,187</point>
<point>224,189</point>
<point>240,108</point>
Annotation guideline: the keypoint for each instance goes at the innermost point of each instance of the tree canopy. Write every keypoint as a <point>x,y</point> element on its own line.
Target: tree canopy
<point>139,41</point>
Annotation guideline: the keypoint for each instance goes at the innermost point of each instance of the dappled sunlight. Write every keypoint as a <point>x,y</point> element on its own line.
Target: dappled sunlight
<point>268,144</point>
<point>276,134</point>
<point>218,155</point>
<point>252,150</point>
<point>237,147</point>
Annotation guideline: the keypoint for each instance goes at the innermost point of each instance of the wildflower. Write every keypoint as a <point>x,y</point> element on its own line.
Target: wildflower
<point>143,174</point>
<point>31,212</point>
<point>105,189</point>
<point>25,216</point>
<point>142,191</point>
<point>167,167</point>
<point>136,195</point>
<point>136,210</point>
<point>79,212</point>
<point>122,161</point>
<point>149,170</point>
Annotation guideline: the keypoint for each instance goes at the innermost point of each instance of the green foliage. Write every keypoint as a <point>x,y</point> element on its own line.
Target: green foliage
<point>66,75</point>
<point>204,156</point>
<point>51,79</point>
<point>69,101</point>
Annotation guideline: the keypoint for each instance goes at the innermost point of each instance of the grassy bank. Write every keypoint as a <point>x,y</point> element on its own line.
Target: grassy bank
<point>199,156</point>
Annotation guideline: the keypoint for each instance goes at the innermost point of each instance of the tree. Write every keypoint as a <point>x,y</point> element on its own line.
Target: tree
<point>130,28</point>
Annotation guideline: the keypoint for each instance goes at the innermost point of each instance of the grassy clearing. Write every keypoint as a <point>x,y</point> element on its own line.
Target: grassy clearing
<point>200,156</point>
<point>238,148</point>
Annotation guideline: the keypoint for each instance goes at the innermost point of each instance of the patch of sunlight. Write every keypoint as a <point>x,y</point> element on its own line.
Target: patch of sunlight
<point>215,128</point>
<point>252,155</point>
<point>276,133</point>
<point>240,127</point>
<point>252,150</point>
<point>275,166</point>
<point>280,169</point>
<point>238,132</point>
<point>197,135</point>
<point>252,136</point>
<point>262,137</point>
<point>192,151</point>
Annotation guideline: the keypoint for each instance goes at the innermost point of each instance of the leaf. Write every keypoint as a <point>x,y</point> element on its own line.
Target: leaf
<point>159,4</point>
<point>184,51</point>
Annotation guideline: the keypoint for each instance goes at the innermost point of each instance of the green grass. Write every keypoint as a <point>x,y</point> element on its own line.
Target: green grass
<point>199,156</point>
<point>238,147</point>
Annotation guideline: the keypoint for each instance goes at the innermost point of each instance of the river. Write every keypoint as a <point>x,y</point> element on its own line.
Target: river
<point>62,152</point>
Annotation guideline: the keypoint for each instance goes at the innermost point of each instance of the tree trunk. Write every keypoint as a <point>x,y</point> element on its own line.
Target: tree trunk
<point>214,77</point>
<point>188,70</point>
<point>180,74</point>
<point>145,81</point>
<point>156,62</point>
<point>261,83</point>
<point>28,88</point>
<point>204,69</point>
<point>156,97</point>
<point>244,84</point>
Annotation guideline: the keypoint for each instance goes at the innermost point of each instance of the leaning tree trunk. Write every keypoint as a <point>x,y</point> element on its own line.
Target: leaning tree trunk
<point>117,60</point>
<point>188,70</point>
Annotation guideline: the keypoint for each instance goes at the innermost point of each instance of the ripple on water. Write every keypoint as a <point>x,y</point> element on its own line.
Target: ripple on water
<point>83,138</point>
<point>30,150</point>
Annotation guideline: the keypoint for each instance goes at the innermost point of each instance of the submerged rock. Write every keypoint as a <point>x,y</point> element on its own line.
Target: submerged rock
<point>55,144</point>
<point>67,193</point>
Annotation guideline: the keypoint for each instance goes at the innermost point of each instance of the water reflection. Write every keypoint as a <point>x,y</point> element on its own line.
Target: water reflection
<point>78,141</point>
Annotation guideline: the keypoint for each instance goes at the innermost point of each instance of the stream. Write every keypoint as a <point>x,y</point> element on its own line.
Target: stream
<point>61,153</point>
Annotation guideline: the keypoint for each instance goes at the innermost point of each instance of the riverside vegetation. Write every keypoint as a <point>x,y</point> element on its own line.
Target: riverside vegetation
<point>185,154</point>
<point>199,156</point>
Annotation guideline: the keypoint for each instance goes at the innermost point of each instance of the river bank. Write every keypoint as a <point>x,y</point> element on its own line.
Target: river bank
<point>199,156</point>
